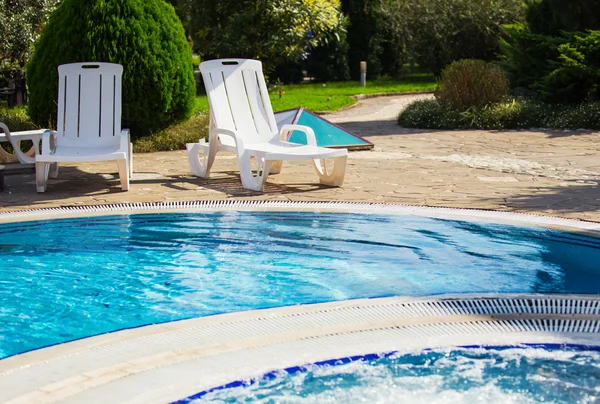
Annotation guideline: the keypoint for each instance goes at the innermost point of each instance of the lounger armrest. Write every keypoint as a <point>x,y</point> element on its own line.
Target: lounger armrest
<point>310,134</point>
<point>48,141</point>
<point>125,140</point>
<point>225,132</point>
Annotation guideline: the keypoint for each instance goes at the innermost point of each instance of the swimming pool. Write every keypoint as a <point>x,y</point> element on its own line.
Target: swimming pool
<point>70,278</point>
<point>458,375</point>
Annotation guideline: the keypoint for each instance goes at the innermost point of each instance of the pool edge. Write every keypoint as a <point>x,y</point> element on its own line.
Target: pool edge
<point>174,360</point>
<point>494,216</point>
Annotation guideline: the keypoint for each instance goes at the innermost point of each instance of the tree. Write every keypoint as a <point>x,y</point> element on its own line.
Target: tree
<point>365,35</point>
<point>145,36</point>
<point>438,32</point>
<point>555,52</point>
<point>20,25</point>
<point>274,31</point>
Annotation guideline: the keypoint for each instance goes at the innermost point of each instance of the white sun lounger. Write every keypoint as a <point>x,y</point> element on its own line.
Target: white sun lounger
<point>88,122</point>
<point>242,122</point>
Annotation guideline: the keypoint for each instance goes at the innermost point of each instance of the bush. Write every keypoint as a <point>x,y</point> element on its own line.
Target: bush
<point>145,36</point>
<point>527,56</point>
<point>548,55</point>
<point>516,113</point>
<point>471,83</point>
<point>576,74</point>
<point>429,114</point>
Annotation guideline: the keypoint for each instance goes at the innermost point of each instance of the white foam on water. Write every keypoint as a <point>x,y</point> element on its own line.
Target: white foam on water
<point>512,375</point>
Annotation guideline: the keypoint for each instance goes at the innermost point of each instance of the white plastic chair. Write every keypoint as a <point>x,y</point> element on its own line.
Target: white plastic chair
<point>88,122</point>
<point>242,121</point>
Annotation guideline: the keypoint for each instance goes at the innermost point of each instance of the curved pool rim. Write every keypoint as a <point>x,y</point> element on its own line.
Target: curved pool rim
<point>481,215</point>
<point>171,361</point>
<point>368,357</point>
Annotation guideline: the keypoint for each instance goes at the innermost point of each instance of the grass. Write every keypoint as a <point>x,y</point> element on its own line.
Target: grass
<point>175,136</point>
<point>328,97</point>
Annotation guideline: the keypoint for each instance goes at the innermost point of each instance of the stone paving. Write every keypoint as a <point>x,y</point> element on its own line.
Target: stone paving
<point>542,172</point>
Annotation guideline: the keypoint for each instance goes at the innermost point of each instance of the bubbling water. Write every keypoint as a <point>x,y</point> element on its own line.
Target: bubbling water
<point>500,375</point>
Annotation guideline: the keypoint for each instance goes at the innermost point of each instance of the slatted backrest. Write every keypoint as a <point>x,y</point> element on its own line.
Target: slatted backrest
<point>239,99</point>
<point>89,104</point>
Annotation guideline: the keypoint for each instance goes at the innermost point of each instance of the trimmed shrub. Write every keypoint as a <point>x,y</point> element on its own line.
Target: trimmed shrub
<point>471,83</point>
<point>429,114</point>
<point>145,36</point>
<point>517,113</point>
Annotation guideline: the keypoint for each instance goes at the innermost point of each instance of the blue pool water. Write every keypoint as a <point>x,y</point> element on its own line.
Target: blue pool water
<point>65,279</point>
<point>501,375</point>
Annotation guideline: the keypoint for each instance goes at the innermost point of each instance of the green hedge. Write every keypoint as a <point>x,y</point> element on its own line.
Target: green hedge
<point>145,36</point>
<point>516,113</point>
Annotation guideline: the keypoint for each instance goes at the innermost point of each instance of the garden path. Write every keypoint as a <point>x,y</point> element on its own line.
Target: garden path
<point>542,172</point>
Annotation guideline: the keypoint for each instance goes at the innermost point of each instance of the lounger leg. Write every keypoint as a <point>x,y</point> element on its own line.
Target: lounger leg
<point>130,158</point>
<point>124,174</point>
<point>202,168</point>
<point>249,180</point>
<point>276,167</point>
<point>335,178</point>
<point>54,170</point>
<point>41,176</point>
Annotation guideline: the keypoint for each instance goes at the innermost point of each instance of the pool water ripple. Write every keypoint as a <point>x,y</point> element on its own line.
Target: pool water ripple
<point>66,279</point>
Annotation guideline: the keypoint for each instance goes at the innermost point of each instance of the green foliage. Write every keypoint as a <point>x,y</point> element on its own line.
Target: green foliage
<point>196,60</point>
<point>429,114</point>
<point>328,61</point>
<point>552,17</point>
<point>471,83</point>
<point>365,36</point>
<point>576,74</point>
<point>20,23</point>
<point>273,31</point>
<point>437,32</point>
<point>16,118</point>
<point>550,56</point>
<point>527,55</point>
<point>176,136</point>
<point>516,113</point>
<point>145,36</point>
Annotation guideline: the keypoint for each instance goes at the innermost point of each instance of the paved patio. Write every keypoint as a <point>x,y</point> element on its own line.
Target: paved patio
<point>542,172</point>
